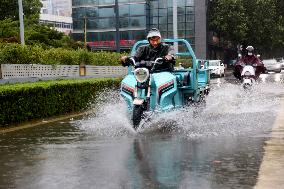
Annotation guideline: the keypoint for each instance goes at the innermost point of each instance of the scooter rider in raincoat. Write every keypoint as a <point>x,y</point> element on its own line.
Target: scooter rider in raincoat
<point>249,59</point>
<point>155,49</point>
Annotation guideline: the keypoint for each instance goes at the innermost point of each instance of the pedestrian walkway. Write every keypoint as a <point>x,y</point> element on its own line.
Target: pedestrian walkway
<point>271,172</point>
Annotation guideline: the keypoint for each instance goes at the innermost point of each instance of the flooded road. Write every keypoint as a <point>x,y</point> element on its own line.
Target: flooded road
<point>216,146</point>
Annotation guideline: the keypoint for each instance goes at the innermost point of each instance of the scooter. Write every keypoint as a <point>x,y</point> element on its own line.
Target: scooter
<point>248,76</point>
<point>147,90</point>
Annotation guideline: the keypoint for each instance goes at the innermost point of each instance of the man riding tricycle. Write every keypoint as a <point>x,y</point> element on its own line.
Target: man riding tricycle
<point>152,83</point>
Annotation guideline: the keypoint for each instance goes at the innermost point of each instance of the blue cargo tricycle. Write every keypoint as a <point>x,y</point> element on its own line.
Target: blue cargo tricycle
<point>145,90</point>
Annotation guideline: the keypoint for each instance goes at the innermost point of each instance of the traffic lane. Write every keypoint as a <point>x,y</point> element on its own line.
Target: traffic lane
<point>45,158</point>
<point>220,148</point>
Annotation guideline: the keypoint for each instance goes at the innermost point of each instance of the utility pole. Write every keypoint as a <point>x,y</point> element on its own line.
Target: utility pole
<point>21,18</point>
<point>117,38</point>
<point>85,32</point>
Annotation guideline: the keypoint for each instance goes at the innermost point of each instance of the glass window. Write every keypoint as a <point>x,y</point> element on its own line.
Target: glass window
<point>91,36</point>
<point>180,10</point>
<point>138,9</point>
<point>124,10</point>
<point>170,11</point>
<point>180,3</point>
<point>189,33</point>
<point>106,12</point>
<point>181,33</point>
<point>92,24</point>
<point>155,20</point>
<point>91,2</point>
<point>123,22</point>
<point>124,35</point>
<point>78,36</point>
<point>132,1</point>
<point>107,36</point>
<point>139,35</point>
<point>123,1</point>
<point>163,27</point>
<point>181,18</point>
<point>154,4</point>
<point>170,27</point>
<point>181,25</point>
<point>189,18</point>
<point>189,2</point>
<point>155,12</point>
<point>78,12</point>
<point>163,3</point>
<point>163,12</point>
<point>170,3</point>
<point>190,25</point>
<point>170,19</point>
<point>78,24</point>
<point>106,2</point>
<point>170,34</point>
<point>91,12</point>
<point>189,10</point>
<point>138,21</point>
<point>163,20</point>
<point>106,23</point>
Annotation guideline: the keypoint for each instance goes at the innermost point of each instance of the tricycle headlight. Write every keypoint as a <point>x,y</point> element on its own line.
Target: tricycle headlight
<point>141,74</point>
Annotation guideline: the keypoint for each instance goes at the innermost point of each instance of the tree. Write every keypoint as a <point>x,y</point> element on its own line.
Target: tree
<point>256,22</point>
<point>10,9</point>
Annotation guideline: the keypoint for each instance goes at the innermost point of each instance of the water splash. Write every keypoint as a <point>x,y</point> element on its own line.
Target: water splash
<point>229,111</point>
<point>109,117</point>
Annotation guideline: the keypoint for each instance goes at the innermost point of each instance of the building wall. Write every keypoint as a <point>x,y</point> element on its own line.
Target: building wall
<point>161,17</point>
<point>99,19</point>
<point>136,18</point>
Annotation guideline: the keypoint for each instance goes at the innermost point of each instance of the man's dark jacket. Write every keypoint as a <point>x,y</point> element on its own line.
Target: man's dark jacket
<point>149,53</point>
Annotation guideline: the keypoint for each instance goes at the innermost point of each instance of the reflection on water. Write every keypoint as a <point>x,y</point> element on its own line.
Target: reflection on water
<point>217,146</point>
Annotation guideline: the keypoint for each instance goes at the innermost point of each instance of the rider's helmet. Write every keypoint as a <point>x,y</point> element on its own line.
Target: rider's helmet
<point>154,32</point>
<point>250,50</point>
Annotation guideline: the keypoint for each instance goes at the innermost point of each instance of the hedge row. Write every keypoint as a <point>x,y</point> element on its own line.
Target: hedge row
<point>29,101</point>
<point>18,54</point>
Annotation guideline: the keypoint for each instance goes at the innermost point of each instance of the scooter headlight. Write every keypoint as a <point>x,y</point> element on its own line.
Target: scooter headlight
<point>141,74</point>
<point>247,73</point>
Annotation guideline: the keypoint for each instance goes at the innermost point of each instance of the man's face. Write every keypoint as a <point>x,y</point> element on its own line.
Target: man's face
<point>155,41</point>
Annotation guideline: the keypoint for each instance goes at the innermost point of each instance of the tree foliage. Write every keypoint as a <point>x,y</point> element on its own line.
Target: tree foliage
<point>10,9</point>
<point>256,22</point>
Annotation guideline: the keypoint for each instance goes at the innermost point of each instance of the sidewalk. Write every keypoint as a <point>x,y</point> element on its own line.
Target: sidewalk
<point>271,171</point>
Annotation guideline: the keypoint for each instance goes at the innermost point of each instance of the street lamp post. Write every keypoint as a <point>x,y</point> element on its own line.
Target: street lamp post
<point>21,18</point>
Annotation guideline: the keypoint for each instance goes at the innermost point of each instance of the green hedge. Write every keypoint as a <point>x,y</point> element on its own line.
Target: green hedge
<point>29,101</point>
<point>28,54</point>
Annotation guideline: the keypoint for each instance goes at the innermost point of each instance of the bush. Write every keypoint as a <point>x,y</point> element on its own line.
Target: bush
<point>29,101</point>
<point>36,54</point>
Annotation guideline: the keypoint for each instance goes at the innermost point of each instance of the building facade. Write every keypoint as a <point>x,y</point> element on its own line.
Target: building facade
<point>95,22</point>
<point>57,13</point>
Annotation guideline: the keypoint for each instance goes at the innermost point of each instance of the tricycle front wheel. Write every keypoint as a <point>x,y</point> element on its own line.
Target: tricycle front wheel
<point>137,115</point>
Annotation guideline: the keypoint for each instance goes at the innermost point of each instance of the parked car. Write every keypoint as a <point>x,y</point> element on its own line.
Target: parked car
<point>272,65</point>
<point>216,68</point>
<point>281,61</point>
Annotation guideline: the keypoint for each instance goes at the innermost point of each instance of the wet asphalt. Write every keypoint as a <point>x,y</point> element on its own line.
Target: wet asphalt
<point>222,145</point>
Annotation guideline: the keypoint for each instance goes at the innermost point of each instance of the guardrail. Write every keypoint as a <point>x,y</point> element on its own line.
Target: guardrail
<point>11,71</point>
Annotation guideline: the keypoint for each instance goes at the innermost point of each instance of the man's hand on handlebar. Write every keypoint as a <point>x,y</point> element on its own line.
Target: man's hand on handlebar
<point>168,57</point>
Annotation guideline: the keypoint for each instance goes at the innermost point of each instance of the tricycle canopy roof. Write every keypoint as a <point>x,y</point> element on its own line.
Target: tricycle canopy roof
<point>181,46</point>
